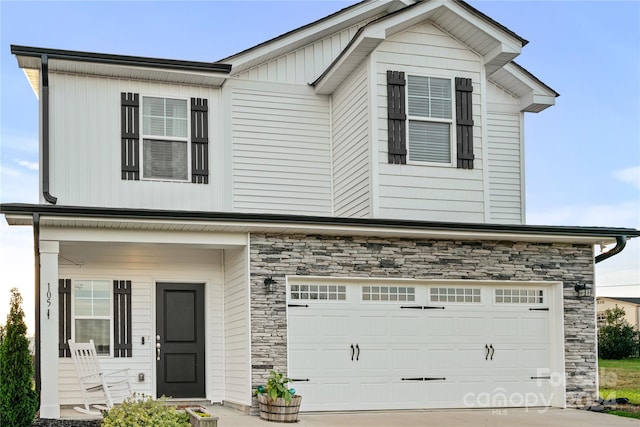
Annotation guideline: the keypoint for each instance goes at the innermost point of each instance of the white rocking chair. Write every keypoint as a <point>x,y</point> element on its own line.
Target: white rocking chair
<point>99,389</point>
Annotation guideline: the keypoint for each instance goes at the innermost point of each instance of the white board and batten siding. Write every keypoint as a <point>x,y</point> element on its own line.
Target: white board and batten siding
<point>351,157</point>
<point>281,151</point>
<point>145,265</point>
<point>505,173</point>
<point>419,191</point>
<point>237,329</point>
<point>305,64</point>
<point>86,146</point>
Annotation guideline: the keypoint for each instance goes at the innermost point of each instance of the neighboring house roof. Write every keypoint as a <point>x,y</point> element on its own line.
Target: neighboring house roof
<point>635,301</point>
<point>75,216</point>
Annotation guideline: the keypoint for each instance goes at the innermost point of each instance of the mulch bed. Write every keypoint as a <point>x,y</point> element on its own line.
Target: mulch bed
<point>44,422</point>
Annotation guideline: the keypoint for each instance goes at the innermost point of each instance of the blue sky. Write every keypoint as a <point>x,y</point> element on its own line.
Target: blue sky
<point>582,156</point>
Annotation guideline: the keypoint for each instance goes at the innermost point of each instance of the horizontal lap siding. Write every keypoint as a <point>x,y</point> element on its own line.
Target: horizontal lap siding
<point>281,152</point>
<point>351,174</point>
<point>237,342</point>
<point>86,147</point>
<point>144,265</point>
<point>504,122</point>
<point>426,192</point>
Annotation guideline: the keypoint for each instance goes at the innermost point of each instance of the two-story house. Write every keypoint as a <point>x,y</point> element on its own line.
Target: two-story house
<point>344,203</point>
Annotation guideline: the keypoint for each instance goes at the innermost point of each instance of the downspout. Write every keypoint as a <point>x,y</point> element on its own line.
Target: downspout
<point>44,87</point>
<point>36,256</point>
<point>621,242</point>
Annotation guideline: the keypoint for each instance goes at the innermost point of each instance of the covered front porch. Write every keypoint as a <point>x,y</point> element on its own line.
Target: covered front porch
<point>181,329</point>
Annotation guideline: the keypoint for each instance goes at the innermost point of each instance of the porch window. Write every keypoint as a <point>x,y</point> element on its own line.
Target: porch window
<point>92,313</point>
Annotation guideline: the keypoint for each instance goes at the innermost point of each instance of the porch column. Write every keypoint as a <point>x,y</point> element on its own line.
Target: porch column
<point>49,399</point>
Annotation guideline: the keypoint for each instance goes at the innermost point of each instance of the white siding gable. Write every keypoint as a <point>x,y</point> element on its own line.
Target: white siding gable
<point>420,191</point>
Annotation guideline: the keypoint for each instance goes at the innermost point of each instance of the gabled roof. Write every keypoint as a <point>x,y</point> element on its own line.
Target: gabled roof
<point>381,19</point>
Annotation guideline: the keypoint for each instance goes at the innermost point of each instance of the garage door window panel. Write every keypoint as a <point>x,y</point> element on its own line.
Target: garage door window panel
<point>456,295</point>
<point>519,296</point>
<point>388,293</point>
<point>318,293</point>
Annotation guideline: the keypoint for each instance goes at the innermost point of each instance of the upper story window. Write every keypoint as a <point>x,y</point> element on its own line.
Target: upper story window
<point>172,143</point>
<point>421,113</point>
<point>164,138</point>
<point>430,107</point>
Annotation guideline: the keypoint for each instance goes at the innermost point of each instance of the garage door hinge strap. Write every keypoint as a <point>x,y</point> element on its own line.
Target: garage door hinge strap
<point>540,378</point>
<point>297,305</point>
<point>421,307</point>
<point>539,309</point>
<point>298,379</point>
<point>413,379</point>
<point>423,379</point>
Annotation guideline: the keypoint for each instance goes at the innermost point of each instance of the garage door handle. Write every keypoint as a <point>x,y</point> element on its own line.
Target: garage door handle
<point>358,355</point>
<point>493,350</point>
<point>352,352</point>
<point>486,354</point>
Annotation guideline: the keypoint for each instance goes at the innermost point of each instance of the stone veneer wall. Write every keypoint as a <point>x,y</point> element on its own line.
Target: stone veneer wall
<point>287,255</point>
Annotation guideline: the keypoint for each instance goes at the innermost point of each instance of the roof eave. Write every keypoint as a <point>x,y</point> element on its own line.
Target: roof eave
<point>19,214</point>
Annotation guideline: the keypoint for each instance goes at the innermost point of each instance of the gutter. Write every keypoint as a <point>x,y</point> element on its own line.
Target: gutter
<point>36,256</point>
<point>621,242</point>
<point>44,105</point>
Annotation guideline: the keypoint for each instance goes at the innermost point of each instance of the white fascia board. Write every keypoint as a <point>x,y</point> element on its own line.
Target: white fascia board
<point>13,219</point>
<point>307,35</point>
<point>534,103</point>
<point>212,78</point>
<point>536,96</point>
<point>212,239</point>
<point>348,61</point>
<point>110,229</point>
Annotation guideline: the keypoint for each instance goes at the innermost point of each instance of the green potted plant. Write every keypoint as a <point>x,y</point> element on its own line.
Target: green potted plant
<point>277,401</point>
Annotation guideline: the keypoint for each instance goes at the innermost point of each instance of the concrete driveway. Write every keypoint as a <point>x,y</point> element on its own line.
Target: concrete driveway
<point>460,418</point>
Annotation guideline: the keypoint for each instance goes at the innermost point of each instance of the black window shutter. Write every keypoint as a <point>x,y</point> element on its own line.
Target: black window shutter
<point>130,124</point>
<point>64,317</point>
<point>396,123</point>
<point>199,141</point>
<point>464,123</point>
<point>122,318</point>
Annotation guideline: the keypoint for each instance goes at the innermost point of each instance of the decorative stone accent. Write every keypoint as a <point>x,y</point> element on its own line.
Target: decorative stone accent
<point>286,255</point>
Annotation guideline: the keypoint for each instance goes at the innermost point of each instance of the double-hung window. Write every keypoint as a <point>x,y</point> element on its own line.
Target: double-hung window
<point>430,119</point>
<point>92,313</point>
<point>174,135</point>
<point>165,138</point>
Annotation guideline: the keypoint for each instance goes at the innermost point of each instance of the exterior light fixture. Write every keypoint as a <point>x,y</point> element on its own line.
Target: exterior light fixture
<point>583,290</point>
<point>269,284</point>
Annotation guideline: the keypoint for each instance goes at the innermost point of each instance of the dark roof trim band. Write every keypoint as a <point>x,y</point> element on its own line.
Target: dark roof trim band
<point>126,60</point>
<point>168,215</point>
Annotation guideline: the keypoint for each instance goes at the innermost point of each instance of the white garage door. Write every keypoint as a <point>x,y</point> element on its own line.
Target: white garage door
<point>393,346</point>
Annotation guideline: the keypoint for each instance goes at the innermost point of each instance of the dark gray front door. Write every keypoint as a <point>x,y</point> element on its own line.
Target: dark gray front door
<point>180,354</point>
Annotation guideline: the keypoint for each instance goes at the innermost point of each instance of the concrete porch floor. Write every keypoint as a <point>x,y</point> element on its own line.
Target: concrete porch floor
<point>229,417</point>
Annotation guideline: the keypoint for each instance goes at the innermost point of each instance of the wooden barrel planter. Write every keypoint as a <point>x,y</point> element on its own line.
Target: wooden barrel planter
<point>278,410</point>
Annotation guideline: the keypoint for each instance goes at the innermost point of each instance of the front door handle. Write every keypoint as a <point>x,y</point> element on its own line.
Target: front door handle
<point>358,354</point>
<point>352,352</point>
<point>493,350</point>
<point>157,351</point>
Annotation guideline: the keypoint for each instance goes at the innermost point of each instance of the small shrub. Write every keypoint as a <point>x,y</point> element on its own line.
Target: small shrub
<point>616,339</point>
<point>18,398</point>
<point>140,411</point>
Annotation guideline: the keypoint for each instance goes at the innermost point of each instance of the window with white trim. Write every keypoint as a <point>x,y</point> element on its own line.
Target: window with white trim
<point>318,292</point>
<point>430,117</point>
<point>165,143</point>
<point>92,313</point>
<point>461,295</point>
<point>388,293</point>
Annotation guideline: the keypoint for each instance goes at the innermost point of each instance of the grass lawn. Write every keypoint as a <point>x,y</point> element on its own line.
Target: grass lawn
<point>621,378</point>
